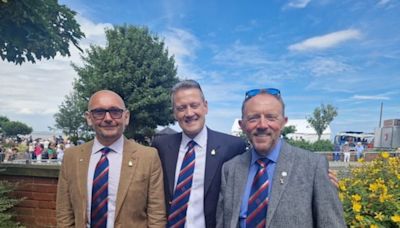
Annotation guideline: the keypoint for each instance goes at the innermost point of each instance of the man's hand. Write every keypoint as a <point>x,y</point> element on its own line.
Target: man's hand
<point>333,177</point>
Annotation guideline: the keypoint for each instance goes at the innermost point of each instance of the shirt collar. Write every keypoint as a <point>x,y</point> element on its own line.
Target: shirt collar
<point>272,157</point>
<point>117,146</point>
<point>200,138</point>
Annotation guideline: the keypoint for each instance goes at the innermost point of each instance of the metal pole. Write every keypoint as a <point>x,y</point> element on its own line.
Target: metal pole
<point>380,116</point>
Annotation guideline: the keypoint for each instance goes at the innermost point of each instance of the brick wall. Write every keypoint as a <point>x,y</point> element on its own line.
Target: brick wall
<point>38,209</point>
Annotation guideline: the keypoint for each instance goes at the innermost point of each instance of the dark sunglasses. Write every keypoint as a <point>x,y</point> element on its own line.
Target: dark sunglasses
<point>99,113</point>
<point>254,92</point>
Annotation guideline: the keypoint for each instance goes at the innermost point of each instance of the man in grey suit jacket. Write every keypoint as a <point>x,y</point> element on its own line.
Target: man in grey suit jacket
<point>295,189</point>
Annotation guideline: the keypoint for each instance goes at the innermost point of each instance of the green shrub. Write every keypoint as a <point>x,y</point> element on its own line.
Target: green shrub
<point>320,145</point>
<point>6,203</point>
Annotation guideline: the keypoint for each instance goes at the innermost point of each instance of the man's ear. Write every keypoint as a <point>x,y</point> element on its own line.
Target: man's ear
<point>241,124</point>
<point>88,119</point>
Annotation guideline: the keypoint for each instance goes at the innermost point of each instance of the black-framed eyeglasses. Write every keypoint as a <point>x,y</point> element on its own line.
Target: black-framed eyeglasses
<point>100,113</point>
<point>254,92</point>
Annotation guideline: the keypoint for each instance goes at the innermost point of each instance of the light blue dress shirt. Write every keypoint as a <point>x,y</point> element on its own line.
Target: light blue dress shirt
<point>273,158</point>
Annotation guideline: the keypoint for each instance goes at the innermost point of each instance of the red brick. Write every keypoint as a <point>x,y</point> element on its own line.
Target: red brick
<point>29,203</point>
<point>42,180</point>
<point>46,221</point>
<point>44,196</point>
<point>44,213</point>
<point>26,220</point>
<point>24,210</point>
<point>21,194</point>
<point>47,204</point>
<point>45,188</point>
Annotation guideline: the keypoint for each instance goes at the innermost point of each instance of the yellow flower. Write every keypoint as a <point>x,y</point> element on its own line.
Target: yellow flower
<point>379,216</point>
<point>342,186</point>
<point>373,187</point>
<point>385,154</point>
<point>359,217</point>
<point>373,226</point>
<point>395,218</point>
<point>356,207</point>
<point>356,197</point>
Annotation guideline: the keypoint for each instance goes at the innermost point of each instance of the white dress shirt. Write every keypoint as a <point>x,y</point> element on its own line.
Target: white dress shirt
<point>114,160</point>
<point>195,211</point>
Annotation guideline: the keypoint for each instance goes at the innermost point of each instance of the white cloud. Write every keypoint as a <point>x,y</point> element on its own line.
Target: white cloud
<point>327,66</point>
<point>383,2</point>
<point>32,90</point>
<point>183,45</point>
<point>326,41</point>
<point>240,55</point>
<point>298,3</point>
<point>364,97</point>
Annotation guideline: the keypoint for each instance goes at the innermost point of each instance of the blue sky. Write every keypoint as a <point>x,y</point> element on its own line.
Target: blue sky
<point>344,53</point>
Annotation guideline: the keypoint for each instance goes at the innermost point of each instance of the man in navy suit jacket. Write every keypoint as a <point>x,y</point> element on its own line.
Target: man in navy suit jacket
<point>212,150</point>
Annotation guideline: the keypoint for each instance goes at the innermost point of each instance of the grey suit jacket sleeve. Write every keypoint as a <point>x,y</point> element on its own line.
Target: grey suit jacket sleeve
<point>327,208</point>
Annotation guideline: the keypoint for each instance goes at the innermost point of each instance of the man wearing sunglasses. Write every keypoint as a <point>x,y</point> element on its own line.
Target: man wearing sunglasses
<point>191,183</point>
<point>275,184</point>
<point>110,181</point>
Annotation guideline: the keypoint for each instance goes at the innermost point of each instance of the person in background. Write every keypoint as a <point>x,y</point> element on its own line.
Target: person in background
<point>274,184</point>
<point>336,152</point>
<point>38,151</point>
<point>359,150</point>
<point>346,152</point>
<point>60,152</point>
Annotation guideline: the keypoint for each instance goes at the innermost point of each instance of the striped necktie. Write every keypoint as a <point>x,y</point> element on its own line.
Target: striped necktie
<point>258,200</point>
<point>98,213</point>
<point>177,212</point>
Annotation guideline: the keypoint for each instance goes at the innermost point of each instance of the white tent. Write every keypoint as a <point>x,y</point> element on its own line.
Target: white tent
<point>305,131</point>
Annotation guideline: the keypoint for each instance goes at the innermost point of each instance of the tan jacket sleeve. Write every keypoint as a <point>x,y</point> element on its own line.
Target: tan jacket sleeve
<point>156,205</point>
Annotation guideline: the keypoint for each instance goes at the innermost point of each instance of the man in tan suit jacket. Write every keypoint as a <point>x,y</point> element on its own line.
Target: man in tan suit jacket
<point>135,183</point>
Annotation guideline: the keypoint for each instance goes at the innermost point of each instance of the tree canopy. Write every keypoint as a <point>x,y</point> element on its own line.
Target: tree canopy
<point>136,65</point>
<point>13,128</point>
<point>70,117</point>
<point>32,30</point>
<point>322,117</point>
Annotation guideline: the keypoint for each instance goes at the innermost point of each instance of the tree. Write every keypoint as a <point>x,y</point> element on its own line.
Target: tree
<point>70,117</point>
<point>136,65</point>
<point>32,30</point>
<point>288,130</point>
<point>322,117</point>
<point>14,128</point>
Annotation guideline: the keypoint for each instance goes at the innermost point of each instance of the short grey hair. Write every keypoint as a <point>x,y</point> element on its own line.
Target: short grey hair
<point>185,84</point>
<point>279,98</point>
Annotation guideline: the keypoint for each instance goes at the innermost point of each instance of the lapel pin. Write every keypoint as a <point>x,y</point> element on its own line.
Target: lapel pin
<point>213,152</point>
<point>283,175</point>
<point>130,164</point>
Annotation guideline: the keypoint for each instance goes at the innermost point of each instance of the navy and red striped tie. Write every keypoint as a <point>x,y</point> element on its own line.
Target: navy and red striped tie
<point>258,200</point>
<point>98,213</point>
<point>177,212</point>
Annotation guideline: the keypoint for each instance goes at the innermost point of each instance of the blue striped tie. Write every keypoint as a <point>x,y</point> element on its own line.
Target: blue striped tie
<point>258,200</point>
<point>177,212</point>
<point>98,213</point>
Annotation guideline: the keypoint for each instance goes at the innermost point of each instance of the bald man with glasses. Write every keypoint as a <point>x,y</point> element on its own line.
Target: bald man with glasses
<point>110,181</point>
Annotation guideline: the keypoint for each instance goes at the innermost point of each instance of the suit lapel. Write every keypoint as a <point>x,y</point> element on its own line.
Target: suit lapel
<point>128,166</point>
<point>170,159</point>
<point>241,171</point>
<point>284,164</point>
<point>213,158</point>
<point>82,171</point>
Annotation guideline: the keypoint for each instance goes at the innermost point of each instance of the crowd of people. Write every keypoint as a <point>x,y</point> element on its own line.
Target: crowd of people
<point>33,149</point>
